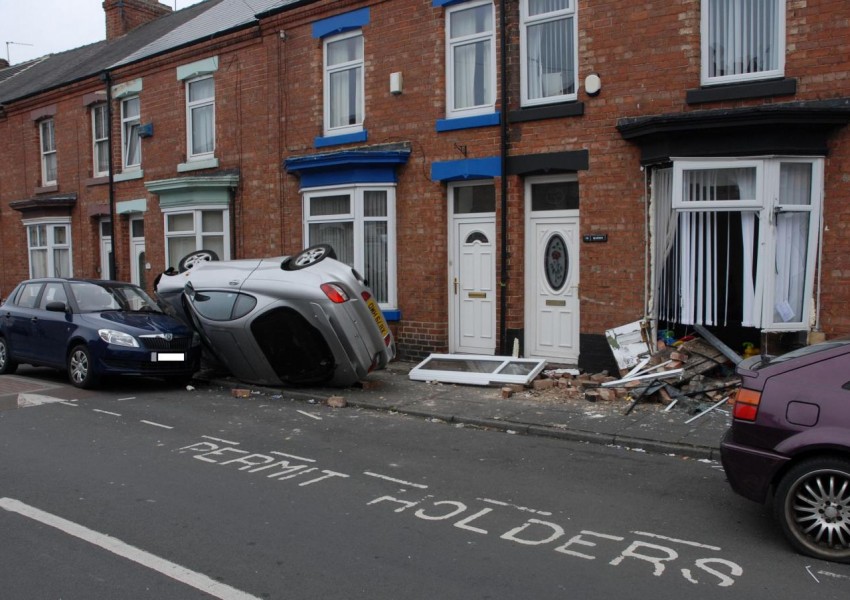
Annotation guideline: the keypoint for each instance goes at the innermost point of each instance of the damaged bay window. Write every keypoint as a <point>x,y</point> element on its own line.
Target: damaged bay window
<point>735,242</point>
<point>359,224</point>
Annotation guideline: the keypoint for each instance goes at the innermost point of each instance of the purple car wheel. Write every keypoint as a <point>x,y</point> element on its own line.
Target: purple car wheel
<point>812,503</point>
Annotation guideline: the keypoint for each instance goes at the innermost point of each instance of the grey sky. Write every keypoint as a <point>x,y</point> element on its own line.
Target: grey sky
<point>33,28</point>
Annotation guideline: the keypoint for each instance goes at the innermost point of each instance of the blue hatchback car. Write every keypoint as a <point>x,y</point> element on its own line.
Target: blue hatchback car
<point>93,329</point>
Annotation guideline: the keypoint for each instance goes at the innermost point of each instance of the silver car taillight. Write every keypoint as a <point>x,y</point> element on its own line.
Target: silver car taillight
<point>335,293</point>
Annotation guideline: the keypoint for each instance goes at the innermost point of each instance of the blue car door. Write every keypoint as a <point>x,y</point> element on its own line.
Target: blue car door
<point>20,314</point>
<point>52,328</point>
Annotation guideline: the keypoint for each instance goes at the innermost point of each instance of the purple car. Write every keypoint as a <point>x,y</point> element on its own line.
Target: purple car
<point>790,442</point>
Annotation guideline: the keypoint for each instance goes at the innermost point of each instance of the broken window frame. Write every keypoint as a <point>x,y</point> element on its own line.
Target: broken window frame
<point>496,375</point>
<point>678,221</point>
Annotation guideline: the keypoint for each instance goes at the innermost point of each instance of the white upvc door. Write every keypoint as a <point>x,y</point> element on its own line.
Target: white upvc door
<point>105,248</point>
<point>552,319</point>
<point>138,264</point>
<point>472,285</point>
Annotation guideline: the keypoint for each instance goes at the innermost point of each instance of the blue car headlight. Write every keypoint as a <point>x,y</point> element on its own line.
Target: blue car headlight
<point>119,338</point>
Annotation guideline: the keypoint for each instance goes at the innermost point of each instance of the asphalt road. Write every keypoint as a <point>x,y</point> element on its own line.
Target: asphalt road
<point>143,491</point>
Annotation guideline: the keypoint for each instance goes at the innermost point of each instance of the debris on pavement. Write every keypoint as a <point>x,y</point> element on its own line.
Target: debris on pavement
<point>694,373</point>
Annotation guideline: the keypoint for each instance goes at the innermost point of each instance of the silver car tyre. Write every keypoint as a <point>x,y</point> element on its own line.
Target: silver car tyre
<point>195,258</point>
<point>812,503</point>
<point>309,256</point>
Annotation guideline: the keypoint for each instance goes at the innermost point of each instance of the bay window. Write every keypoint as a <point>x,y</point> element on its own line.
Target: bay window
<point>736,241</point>
<point>359,224</point>
<point>49,244</point>
<point>199,229</point>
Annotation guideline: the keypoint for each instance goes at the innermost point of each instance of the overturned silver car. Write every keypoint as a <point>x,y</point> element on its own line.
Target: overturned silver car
<point>299,320</point>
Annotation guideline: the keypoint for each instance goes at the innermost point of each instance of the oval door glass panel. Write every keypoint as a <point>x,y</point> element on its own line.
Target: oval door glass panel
<point>556,262</point>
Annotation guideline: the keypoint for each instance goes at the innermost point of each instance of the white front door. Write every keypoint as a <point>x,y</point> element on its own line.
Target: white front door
<point>105,248</point>
<point>472,270</point>
<point>552,270</point>
<point>138,265</point>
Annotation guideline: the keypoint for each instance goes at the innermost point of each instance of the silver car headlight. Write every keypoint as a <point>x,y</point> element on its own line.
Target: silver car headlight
<point>119,338</point>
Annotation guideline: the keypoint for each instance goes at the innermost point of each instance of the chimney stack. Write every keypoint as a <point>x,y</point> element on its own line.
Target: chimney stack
<point>122,16</point>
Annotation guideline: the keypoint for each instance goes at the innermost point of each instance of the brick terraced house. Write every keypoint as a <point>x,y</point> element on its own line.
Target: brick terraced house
<point>530,172</point>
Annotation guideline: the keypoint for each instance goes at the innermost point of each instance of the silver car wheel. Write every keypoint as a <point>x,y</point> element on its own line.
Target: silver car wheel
<point>193,259</point>
<point>815,508</point>
<point>309,256</point>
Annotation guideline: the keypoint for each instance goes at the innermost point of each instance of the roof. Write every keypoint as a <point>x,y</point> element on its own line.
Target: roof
<point>169,32</point>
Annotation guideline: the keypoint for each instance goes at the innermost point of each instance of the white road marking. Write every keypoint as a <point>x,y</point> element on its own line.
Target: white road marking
<point>394,480</point>
<point>106,412</point>
<point>293,456</point>
<point>114,545</point>
<point>26,400</point>
<point>516,506</point>
<point>157,424</point>
<point>809,569</point>
<point>686,542</point>
<point>828,574</point>
<point>312,416</point>
<point>70,403</point>
<point>215,439</point>
<point>127,398</point>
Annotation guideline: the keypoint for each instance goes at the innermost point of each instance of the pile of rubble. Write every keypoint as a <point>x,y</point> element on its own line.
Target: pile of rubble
<point>693,374</point>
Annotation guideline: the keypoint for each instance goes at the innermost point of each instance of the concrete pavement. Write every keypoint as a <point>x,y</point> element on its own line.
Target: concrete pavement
<point>647,427</point>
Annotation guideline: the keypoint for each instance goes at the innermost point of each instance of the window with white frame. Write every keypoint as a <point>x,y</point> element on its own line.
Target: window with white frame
<point>100,140</point>
<point>131,143</point>
<point>200,117</point>
<point>49,246</point>
<point>736,241</point>
<point>470,59</point>
<point>742,40</point>
<point>344,104</point>
<point>47,135</point>
<point>548,49</point>
<point>359,224</point>
<point>199,229</point>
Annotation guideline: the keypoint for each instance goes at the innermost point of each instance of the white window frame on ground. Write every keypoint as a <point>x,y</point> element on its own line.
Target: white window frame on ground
<point>195,118</point>
<point>47,145</point>
<point>49,247</point>
<point>456,42</point>
<point>100,140</point>
<point>477,369</point>
<point>553,24</point>
<point>338,104</point>
<point>780,216</point>
<point>188,230</point>
<point>756,26</point>
<point>131,143</point>
<point>355,251</point>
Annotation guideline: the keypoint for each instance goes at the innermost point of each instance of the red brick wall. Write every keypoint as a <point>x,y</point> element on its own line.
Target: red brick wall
<point>268,108</point>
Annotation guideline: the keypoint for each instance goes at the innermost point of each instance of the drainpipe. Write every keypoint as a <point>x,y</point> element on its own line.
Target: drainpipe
<point>503,156</point>
<point>107,79</point>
